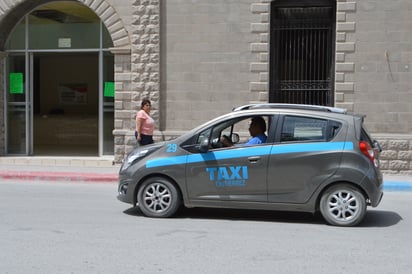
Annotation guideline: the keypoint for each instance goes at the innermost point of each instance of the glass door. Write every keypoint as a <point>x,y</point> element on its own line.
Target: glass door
<point>18,106</point>
<point>59,71</point>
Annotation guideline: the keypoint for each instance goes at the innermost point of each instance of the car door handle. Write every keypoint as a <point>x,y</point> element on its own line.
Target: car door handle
<point>254,159</point>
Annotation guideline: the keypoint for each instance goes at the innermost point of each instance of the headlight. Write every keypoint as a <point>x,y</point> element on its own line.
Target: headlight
<point>138,154</point>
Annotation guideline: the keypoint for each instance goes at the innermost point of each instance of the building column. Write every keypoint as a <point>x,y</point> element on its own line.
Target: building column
<point>137,76</point>
<point>123,137</point>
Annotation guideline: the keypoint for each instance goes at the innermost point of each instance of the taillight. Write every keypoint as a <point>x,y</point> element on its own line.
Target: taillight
<point>369,152</point>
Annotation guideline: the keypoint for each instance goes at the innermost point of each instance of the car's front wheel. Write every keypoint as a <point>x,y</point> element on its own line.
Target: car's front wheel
<point>343,205</point>
<point>158,197</point>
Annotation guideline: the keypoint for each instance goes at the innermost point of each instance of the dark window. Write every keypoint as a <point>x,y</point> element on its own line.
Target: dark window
<point>296,129</point>
<point>302,52</point>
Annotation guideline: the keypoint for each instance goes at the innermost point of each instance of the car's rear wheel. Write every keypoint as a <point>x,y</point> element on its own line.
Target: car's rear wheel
<point>158,197</point>
<point>343,205</point>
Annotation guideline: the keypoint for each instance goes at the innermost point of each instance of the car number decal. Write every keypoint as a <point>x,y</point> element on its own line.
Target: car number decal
<point>171,148</point>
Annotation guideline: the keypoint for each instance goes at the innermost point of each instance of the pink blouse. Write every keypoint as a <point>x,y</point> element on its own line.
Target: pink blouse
<point>147,123</point>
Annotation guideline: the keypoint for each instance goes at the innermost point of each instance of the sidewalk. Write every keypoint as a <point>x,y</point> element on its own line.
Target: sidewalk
<point>102,170</point>
<point>68,169</point>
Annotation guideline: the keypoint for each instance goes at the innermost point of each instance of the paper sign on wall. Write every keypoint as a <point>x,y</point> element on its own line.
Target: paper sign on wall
<point>108,89</point>
<point>65,43</point>
<point>16,83</point>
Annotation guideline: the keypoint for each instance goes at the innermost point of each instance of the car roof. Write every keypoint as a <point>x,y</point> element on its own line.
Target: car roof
<point>275,108</point>
<point>292,107</point>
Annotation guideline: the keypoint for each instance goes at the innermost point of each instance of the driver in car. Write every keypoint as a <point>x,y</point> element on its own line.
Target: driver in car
<point>257,130</point>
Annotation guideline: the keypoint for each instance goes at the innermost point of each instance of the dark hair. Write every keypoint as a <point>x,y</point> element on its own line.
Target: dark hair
<point>260,122</point>
<point>144,102</point>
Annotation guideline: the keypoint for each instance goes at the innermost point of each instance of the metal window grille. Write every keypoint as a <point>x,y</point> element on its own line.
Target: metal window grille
<point>302,58</point>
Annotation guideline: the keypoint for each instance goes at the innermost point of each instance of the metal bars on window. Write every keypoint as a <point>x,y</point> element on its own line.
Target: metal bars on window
<point>302,55</point>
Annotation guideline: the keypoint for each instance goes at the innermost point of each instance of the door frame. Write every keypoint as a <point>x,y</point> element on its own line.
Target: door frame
<point>26,103</point>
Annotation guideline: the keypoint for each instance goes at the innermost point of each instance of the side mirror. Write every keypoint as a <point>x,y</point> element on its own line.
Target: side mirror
<point>235,138</point>
<point>204,146</point>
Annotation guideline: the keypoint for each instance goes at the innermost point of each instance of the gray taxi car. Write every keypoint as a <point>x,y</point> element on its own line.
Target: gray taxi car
<point>313,159</point>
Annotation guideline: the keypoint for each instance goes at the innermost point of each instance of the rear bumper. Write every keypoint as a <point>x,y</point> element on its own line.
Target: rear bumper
<point>378,201</point>
<point>373,185</point>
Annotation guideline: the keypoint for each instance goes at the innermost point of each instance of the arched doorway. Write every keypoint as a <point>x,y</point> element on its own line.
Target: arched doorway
<point>60,83</point>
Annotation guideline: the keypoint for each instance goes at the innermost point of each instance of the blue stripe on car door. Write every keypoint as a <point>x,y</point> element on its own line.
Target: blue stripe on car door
<point>248,151</point>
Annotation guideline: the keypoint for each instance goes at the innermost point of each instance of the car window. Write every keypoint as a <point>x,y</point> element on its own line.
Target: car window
<point>236,129</point>
<point>204,135</point>
<point>365,136</point>
<point>297,129</point>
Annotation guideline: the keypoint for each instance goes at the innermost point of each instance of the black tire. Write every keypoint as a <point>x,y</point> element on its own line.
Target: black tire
<point>158,197</point>
<point>343,205</point>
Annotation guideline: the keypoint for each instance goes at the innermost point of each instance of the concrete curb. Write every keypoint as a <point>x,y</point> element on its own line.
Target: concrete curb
<point>397,186</point>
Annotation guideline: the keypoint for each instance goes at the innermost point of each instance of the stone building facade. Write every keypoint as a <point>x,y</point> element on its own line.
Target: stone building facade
<point>198,59</point>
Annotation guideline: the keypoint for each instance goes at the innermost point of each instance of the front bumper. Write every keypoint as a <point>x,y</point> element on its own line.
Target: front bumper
<point>125,191</point>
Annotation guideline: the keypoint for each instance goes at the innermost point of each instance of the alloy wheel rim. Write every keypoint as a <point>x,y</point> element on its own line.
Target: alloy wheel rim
<point>157,197</point>
<point>343,205</point>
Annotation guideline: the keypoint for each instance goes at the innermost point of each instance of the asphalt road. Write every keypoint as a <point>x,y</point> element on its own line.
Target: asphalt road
<point>48,227</point>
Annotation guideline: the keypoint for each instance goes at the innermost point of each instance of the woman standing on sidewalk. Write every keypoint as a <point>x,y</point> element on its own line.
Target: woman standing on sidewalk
<point>144,124</point>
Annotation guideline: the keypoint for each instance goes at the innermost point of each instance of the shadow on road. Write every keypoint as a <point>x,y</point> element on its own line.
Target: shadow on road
<point>239,215</point>
<point>373,218</point>
<point>380,218</point>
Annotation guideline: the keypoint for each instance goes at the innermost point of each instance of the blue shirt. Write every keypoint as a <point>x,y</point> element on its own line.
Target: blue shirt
<point>260,139</point>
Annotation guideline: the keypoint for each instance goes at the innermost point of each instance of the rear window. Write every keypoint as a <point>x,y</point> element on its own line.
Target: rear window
<point>297,129</point>
<point>365,136</point>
